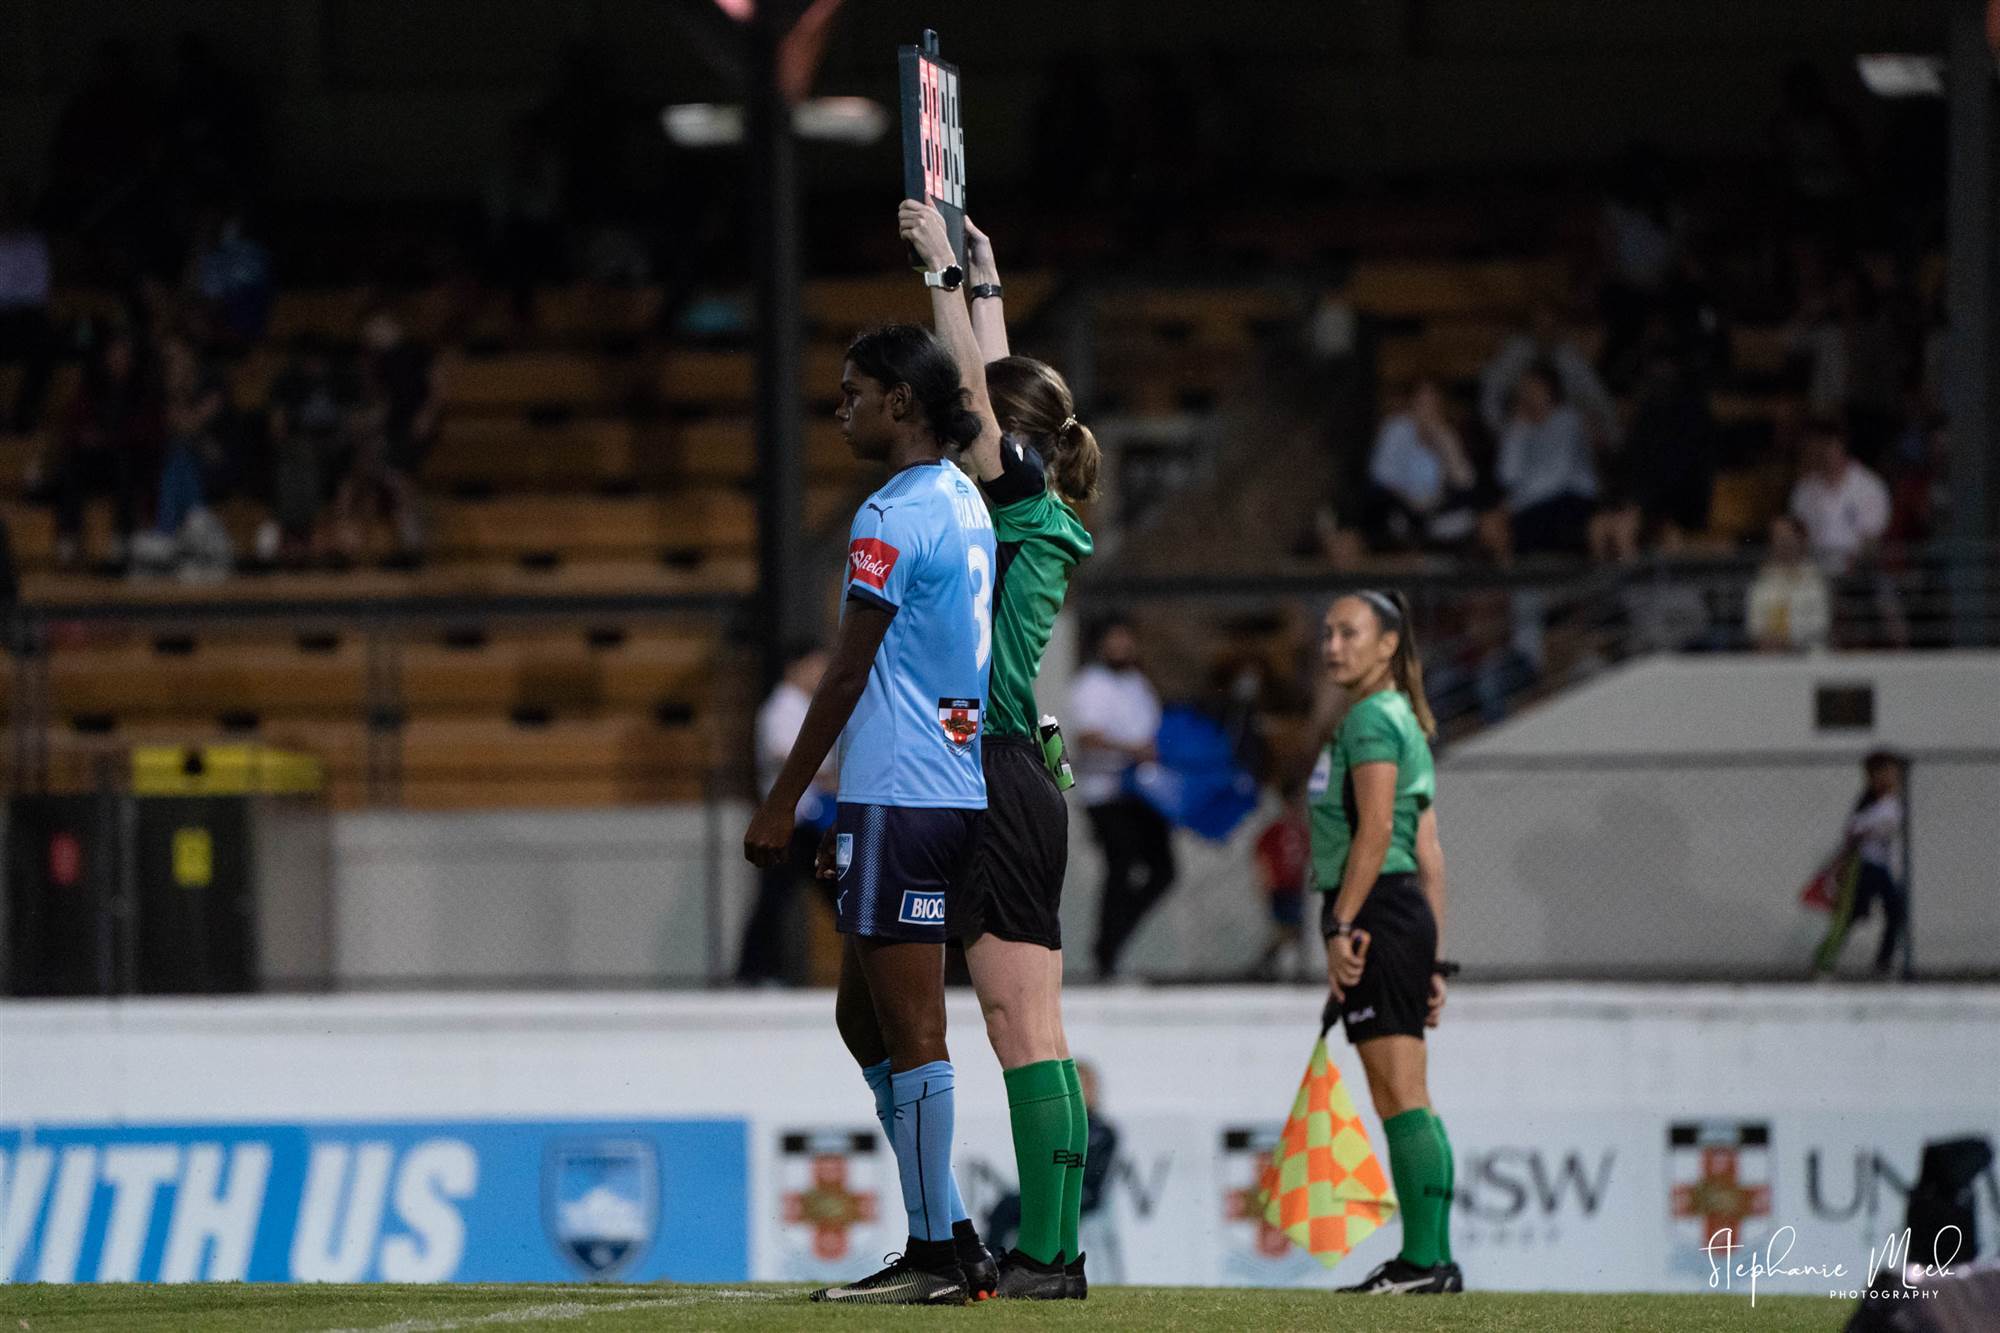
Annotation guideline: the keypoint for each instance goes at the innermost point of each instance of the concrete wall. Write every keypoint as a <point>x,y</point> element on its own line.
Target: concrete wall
<point>627,897</point>
<point>1666,815</point>
<point>1585,1121</point>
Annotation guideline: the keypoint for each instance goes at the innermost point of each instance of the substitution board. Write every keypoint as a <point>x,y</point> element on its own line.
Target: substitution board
<point>934,135</point>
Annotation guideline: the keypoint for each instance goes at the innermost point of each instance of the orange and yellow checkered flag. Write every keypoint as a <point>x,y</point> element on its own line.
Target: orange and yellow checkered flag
<point>1324,1187</point>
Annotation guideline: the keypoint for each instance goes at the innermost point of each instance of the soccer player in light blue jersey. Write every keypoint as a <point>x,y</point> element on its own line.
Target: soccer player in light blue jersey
<point>906,696</point>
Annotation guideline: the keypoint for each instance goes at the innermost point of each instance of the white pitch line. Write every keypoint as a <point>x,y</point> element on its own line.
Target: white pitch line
<point>527,1314</point>
<point>562,1310</point>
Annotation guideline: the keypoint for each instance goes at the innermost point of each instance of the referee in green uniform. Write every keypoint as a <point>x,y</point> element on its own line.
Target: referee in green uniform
<point>1379,866</point>
<point>1034,468</point>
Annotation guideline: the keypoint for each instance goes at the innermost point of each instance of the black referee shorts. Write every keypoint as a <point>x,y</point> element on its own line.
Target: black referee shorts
<point>1014,885</point>
<point>1393,997</point>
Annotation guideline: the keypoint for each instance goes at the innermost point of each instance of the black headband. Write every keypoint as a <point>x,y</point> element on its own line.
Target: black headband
<point>1382,604</point>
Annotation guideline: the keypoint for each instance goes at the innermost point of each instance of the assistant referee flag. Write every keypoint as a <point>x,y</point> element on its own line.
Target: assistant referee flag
<point>1324,1186</point>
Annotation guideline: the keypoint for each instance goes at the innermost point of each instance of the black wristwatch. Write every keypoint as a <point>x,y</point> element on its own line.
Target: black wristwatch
<point>981,290</point>
<point>1341,928</point>
<point>948,277</point>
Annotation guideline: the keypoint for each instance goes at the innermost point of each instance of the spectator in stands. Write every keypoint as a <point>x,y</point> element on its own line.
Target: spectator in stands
<point>1790,606</point>
<point>761,960</point>
<point>1920,483</point>
<point>1854,356</point>
<point>1426,485</point>
<point>108,445</point>
<point>1547,474</point>
<point>1544,342</point>
<point>1115,715</point>
<point>308,429</point>
<point>1845,510</point>
<point>1662,474</point>
<point>196,413</point>
<point>229,275</point>
<point>27,334</point>
<point>1842,505</point>
<point>394,431</point>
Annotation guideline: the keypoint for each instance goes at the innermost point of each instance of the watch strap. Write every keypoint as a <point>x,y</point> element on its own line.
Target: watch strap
<point>982,290</point>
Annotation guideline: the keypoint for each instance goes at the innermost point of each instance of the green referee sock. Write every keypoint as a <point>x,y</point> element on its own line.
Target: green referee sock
<point>1038,1105</point>
<point>1079,1144</point>
<point>1421,1166</point>
<point>1450,1186</point>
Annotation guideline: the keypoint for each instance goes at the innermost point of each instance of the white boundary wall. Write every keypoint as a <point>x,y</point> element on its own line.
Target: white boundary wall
<point>1562,1103</point>
<point>1665,815</point>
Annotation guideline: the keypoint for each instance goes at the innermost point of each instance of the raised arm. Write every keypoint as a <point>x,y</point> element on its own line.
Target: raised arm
<point>923,229</point>
<point>989,317</point>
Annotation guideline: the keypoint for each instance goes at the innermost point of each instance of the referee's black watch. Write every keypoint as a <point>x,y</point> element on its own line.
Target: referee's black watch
<point>949,277</point>
<point>1340,928</point>
<point>979,291</point>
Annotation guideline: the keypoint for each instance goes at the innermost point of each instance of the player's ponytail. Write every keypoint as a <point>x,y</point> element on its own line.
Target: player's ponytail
<point>1406,668</point>
<point>1033,402</point>
<point>911,354</point>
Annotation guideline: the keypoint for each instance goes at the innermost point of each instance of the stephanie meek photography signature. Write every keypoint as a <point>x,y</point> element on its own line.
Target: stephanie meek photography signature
<point>1894,1253</point>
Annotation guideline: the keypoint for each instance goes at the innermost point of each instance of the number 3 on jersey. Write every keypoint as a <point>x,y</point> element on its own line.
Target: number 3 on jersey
<point>980,567</point>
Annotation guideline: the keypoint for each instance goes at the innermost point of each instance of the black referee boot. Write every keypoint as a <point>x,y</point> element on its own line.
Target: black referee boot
<point>982,1274</point>
<point>1025,1279</point>
<point>1401,1278</point>
<point>1079,1285</point>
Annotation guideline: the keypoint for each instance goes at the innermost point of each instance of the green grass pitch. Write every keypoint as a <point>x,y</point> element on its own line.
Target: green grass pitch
<point>230,1308</point>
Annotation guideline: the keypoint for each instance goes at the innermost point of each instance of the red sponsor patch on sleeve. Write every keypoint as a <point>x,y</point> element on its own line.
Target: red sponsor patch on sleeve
<point>869,561</point>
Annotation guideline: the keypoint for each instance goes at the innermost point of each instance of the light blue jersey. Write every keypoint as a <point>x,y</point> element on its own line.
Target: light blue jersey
<point>922,548</point>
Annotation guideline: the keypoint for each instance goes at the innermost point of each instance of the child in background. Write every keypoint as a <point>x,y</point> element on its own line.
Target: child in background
<point>1284,856</point>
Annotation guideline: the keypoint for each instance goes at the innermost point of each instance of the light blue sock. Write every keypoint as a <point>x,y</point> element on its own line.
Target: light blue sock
<point>885,1112</point>
<point>924,1113</point>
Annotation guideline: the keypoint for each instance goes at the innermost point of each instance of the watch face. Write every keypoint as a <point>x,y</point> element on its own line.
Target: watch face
<point>951,277</point>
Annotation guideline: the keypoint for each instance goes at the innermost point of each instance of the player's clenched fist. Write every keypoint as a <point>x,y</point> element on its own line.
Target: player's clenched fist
<point>769,839</point>
<point>922,228</point>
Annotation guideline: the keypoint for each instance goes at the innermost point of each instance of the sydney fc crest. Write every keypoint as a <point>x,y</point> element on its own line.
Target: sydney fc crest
<point>601,1202</point>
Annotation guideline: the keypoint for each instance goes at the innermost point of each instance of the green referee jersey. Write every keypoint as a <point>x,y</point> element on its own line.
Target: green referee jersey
<point>1380,728</point>
<point>1041,541</point>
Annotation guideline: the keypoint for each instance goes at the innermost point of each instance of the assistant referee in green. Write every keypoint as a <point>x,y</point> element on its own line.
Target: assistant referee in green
<point>1380,869</point>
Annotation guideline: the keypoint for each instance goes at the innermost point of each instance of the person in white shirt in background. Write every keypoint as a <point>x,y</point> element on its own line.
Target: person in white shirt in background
<point>1874,834</point>
<point>1547,468</point>
<point>1842,505</point>
<point>1115,715</point>
<point>1421,463</point>
<point>766,934</point>
<point>1845,509</point>
<point>1790,606</point>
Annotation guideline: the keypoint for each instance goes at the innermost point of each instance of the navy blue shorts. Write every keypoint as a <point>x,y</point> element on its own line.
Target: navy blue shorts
<point>896,865</point>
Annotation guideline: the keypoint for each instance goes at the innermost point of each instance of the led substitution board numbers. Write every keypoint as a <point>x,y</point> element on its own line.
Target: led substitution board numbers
<point>934,136</point>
